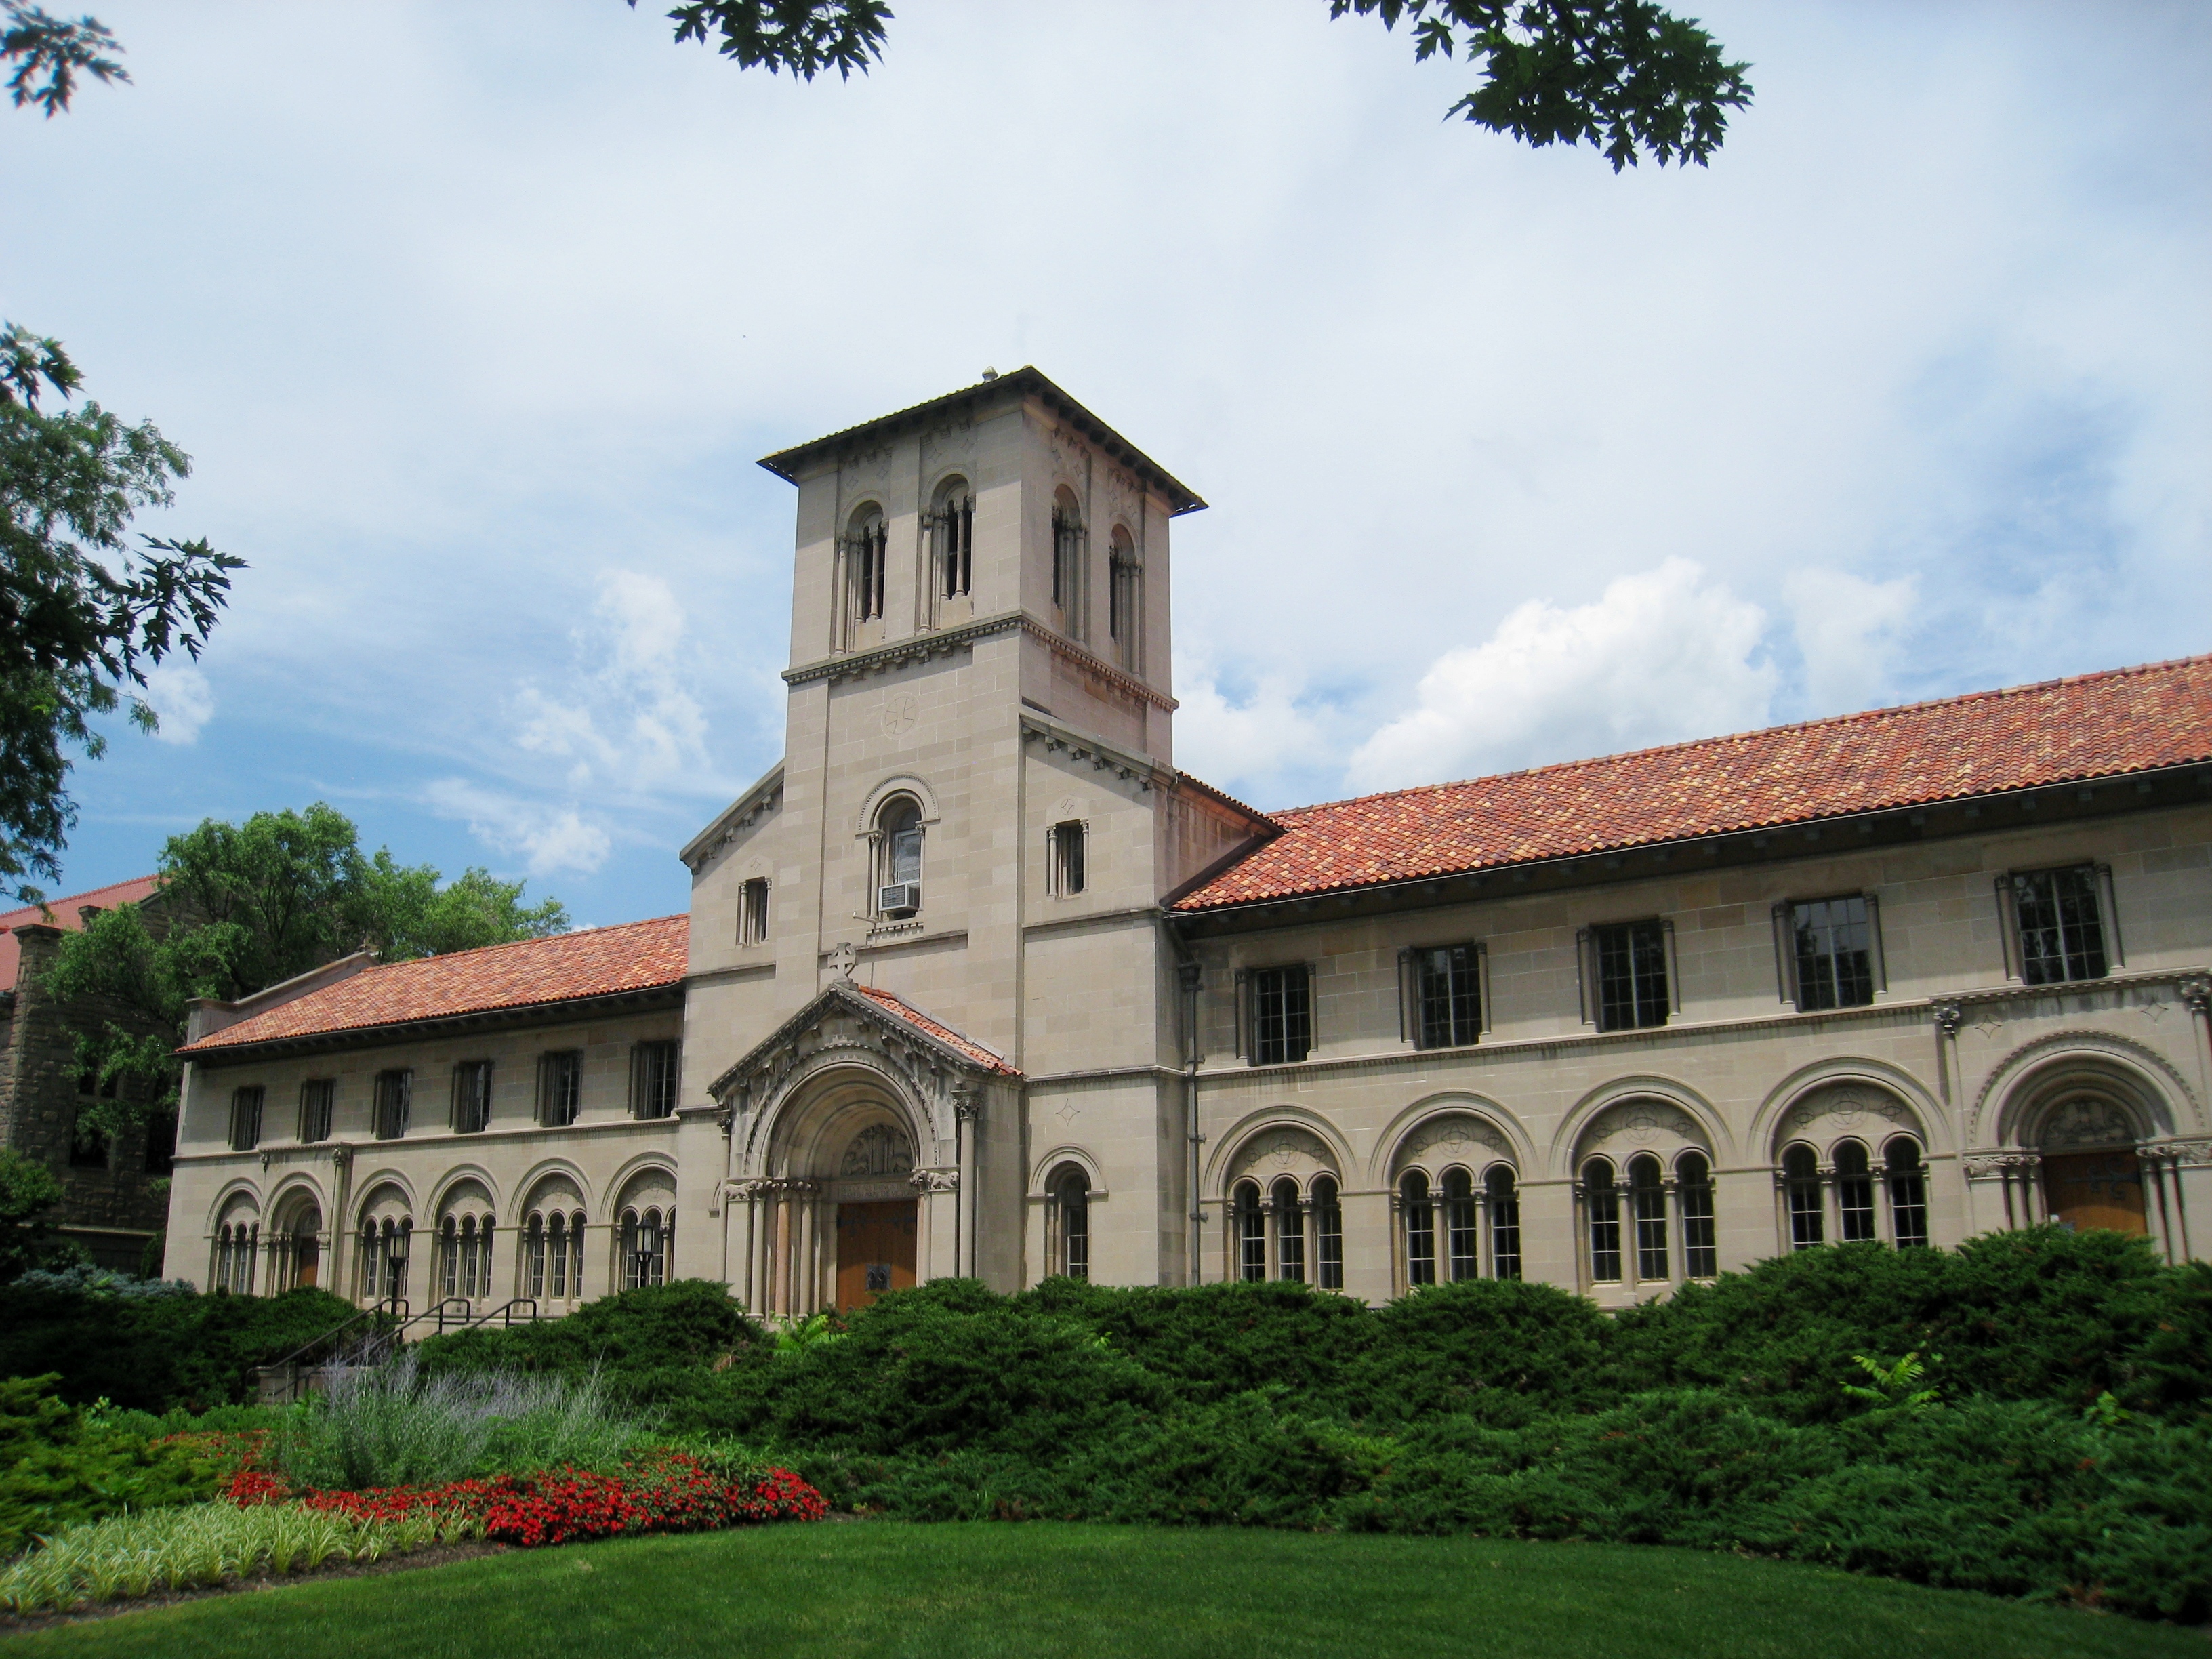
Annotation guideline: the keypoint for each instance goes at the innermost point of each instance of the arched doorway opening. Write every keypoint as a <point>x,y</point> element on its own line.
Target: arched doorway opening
<point>877,1236</point>
<point>2092,1174</point>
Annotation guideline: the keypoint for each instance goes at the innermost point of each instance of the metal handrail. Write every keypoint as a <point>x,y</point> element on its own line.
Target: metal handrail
<point>373,1313</point>
<point>505,1314</point>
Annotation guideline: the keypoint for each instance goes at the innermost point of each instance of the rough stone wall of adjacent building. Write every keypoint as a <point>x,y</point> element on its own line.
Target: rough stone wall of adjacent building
<point>112,1211</point>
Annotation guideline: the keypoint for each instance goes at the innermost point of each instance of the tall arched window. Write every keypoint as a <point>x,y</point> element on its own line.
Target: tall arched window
<point>867,547</point>
<point>1461,1258</point>
<point>645,1248</point>
<point>1908,1193</point>
<point>534,1256</point>
<point>1251,1235</point>
<point>1602,1201</point>
<point>952,538</point>
<point>898,857</point>
<point>1328,1235</point>
<point>1854,1191</point>
<point>1693,1180</point>
<point>1801,1186</point>
<point>1289,1233</point>
<point>1072,1211</point>
<point>1647,1194</point>
<point>1504,1223</point>
<point>1070,541</point>
<point>1420,1228</point>
<point>1125,603</point>
<point>449,1256</point>
<point>372,1262</point>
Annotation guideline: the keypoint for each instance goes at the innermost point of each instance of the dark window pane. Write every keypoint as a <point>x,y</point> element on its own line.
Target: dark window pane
<point>1834,942</point>
<point>2062,936</point>
<point>1282,1017</point>
<point>1631,975</point>
<point>1450,993</point>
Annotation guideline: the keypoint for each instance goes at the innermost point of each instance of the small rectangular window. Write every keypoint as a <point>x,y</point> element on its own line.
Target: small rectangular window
<point>1630,964</point>
<point>653,1078</point>
<point>560,1087</point>
<point>316,1097</point>
<point>2061,925</point>
<point>752,912</point>
<point>87,1148</point>
<point>1445,984</point>
<point>1282,1015</point>
<point>245,1117</point>
<point>1831,954</point>
<point>395,1100</point>
<point>1068,853</point>
<point>471,1096</point>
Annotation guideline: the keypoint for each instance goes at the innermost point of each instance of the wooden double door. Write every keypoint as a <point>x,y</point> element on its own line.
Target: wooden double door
<point>875,1249</point>
<point>2095,1189</point>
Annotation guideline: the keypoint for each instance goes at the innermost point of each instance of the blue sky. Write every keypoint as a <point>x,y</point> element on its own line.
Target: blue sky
<point>475,318</point>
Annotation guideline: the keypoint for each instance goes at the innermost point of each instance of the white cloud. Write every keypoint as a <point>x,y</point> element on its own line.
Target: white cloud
<point>181,695</point>
<point>1850,633</point>
<point>629,724</point>
<point>1661,656</point>
<point>550,838</point>
<point>1243,744</point>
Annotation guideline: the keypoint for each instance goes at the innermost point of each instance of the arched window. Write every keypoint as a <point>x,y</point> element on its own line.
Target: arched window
<point>1251,1235</point>
<point>1854,1191</point>
<point>1328,1235</point>
<point>1908,1193</point>
<point>952,537</point>
<point>372,1262</point>
<point>1647,1196</point>
<point>1602,1198</point>
<point>1071,1204</point>
<point>1070,541</point>
<point>449,1258</point>
<point>898,857</point>
<point>533,1254</point>
<point>1460,1259</point>
<point>1420,1228</point>
<point>1693,1180</point>
<point>1504,1223</point>
<point>867,545</point>
<point>1289,1233</point>
<point>1125,603</point>
<point>645,1249</point>
<point>1801,1185</point>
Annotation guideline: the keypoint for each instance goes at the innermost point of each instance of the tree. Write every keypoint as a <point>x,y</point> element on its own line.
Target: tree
<point>1625,75</point>
<point>244,906</point>
<point>27,1191</point>
<point>82,614</point>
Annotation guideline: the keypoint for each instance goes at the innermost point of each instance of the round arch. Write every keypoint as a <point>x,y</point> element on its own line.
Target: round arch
<point>902,783</point>
<point>1507,1139</point>
<point>1044,1170</point>
<point>1564,1156</point>
<point>2022,1090</point>
<point>1236,1148</point>
<point>1826,1110</point>
<point>1935,1124</point>
<point>449,1179</point>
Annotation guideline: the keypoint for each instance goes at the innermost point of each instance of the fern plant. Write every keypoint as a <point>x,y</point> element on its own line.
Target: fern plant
<point>1895,1383</point>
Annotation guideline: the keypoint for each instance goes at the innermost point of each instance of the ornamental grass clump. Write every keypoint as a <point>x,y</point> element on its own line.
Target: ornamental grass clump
<point>204,1544</point>
<point>388,1425</point>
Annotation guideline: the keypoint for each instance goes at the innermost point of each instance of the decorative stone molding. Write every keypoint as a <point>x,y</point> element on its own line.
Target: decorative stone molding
<point>1636,1125</point>
<point>1845,1108</point>
<point>2086,1121</point>
<point>881,1149</point>
<point>1982,1168</point>
<point>2192,1152</point>
<point>935,1181</point>
<point>2197,994</point>
<point>1947,1017</point>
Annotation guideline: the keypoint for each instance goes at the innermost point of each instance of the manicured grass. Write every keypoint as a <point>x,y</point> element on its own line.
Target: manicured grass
<point>887,1587</point>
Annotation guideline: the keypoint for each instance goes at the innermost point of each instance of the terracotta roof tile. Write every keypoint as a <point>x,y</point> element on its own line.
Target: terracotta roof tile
<point>63,913</point>
<point>945,1034</point>
<point>2095,726</point>
<point>637,956</point>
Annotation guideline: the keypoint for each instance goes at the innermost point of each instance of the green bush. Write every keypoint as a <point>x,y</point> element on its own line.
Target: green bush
<point>156,1352</point>
<point>59,1465</point>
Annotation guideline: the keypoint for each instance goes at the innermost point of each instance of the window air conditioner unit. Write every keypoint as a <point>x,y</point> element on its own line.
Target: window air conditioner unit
<point>899,895</point>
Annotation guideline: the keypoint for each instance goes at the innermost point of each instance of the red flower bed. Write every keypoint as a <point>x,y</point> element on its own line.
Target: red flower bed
<point>672,1492</point>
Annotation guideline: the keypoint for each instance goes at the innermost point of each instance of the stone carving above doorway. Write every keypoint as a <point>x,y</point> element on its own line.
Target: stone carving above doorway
<point>881,1149</point>
<point>2087,1121</point>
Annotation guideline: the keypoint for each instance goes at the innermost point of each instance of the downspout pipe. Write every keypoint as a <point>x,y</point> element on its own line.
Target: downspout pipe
<point>1190,976</point>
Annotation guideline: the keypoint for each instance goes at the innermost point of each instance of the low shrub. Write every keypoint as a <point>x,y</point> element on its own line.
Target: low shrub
<point>202,1544</point>
<point>155,1353</point>
<point>60,1464</point>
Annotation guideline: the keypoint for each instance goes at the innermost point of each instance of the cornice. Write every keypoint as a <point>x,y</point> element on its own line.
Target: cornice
<point>944,641</point>
<point>756,802</point>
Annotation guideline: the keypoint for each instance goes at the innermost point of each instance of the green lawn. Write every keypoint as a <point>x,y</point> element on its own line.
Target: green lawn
<point>886,1587</point>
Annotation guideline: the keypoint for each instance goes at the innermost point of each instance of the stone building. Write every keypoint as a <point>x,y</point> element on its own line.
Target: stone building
<point>112,1206</point>
<point>977,982</point>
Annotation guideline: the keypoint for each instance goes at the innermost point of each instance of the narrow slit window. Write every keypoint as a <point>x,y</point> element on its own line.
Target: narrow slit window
<point>1504,1223</point>
<point>1602,1198</point>
<point>1854,1192</point>
<point>1908,1194</point>
<point>867,558</point>
<point>1647,1192</point>
<point>1461,1261</point>
<point>1290,1233</point>
<point>1251,1235</point>
<point>953,534</point>
<point>752,911</point>
<point>1801,1185</point>
<point>1329,1236</point>
<point>1700,1257</point>
<point>1420,1229</point>
<point>1125,603</point>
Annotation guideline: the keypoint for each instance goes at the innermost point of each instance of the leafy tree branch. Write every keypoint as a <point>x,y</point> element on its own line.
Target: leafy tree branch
<point>49,53</point>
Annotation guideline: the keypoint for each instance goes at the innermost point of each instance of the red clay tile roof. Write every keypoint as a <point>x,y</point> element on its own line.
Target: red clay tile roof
<point>2095,726</point>
<point>943,1034</point>
<point>638,956</point>
<point>63,913</point>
